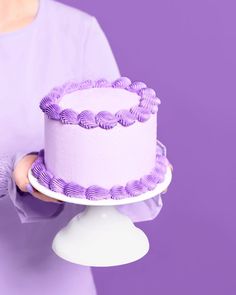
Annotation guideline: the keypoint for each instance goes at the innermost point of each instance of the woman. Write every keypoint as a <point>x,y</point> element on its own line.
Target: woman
<point>42,44</point>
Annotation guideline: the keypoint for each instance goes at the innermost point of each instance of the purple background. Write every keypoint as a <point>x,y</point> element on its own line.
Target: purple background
<point>186,51</point>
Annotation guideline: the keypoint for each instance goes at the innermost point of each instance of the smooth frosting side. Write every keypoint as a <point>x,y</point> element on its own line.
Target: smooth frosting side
<point>99,156</point>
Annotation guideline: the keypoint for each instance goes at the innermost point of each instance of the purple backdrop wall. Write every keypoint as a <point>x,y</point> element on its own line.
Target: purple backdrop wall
<point>186,51</point>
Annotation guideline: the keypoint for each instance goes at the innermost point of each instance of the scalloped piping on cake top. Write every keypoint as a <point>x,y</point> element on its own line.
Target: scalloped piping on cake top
<point>95,192</point>
<point>148,105</point>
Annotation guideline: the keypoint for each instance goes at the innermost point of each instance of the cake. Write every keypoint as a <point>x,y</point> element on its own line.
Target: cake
<point>100,140</point>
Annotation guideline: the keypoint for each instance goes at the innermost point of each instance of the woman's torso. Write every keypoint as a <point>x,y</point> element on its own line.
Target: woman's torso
<point>32,61</point>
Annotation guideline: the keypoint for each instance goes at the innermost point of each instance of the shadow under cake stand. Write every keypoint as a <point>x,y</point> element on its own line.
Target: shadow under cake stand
<point>101,235</point>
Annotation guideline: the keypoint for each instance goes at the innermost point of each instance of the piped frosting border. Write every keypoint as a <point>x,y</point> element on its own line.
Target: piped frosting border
<point>148,105</point>
<point>95,192</point>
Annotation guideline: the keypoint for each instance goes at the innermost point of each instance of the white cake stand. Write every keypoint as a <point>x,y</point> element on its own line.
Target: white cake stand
<point>101,235</point>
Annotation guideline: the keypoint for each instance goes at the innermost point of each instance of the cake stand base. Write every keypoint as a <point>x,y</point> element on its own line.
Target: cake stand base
<point>100,236</point>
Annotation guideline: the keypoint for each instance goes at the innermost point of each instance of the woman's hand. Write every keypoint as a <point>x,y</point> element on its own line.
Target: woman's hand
<point>20,175</point>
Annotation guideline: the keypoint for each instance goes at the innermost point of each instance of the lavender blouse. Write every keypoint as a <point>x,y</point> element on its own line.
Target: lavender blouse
<point>61,43</point>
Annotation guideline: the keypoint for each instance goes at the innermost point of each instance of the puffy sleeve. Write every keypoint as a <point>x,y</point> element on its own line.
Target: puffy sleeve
<point>28,208</point>
<point>99,62</point>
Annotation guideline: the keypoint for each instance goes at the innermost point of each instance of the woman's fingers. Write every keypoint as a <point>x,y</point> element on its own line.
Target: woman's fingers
<point>20,173</point>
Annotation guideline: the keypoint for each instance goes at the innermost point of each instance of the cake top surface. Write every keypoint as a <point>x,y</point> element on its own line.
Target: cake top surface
<point>101,103</point>
<point>99,99</point>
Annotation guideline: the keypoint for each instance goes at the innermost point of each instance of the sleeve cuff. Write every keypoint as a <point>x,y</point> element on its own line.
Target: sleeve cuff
<point>30,209</point>
<point>142,211</point>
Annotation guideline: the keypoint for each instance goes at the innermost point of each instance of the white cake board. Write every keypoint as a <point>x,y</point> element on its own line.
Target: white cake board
<point>101,235</point>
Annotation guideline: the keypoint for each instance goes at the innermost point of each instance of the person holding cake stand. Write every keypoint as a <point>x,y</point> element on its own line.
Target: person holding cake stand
<point>42,44</point>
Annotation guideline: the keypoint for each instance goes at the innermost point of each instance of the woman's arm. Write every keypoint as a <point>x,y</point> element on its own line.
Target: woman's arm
<point>99,62</point>
<point>28,207</point>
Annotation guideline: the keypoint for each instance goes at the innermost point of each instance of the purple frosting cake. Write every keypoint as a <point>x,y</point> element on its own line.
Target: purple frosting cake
<point>100,140</point>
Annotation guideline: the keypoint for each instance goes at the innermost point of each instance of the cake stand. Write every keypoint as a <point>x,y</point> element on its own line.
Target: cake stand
<point>101,235</point>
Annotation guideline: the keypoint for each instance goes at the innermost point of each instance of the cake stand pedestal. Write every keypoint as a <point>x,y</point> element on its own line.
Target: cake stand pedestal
<point>101,235</point>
